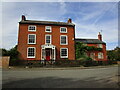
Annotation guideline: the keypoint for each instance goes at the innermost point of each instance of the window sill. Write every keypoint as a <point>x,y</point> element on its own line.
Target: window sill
<point>30,57</point>
<point>64,57</point>
<point>31,43</point>
<point>63,44</point>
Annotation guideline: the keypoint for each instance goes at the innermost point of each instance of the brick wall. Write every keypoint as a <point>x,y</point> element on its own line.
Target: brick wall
<point>4,62</point>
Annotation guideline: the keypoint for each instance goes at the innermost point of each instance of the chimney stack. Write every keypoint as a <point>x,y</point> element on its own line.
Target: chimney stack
<point>99,37</point>
<point>23,18</point>
<point>69,20</point>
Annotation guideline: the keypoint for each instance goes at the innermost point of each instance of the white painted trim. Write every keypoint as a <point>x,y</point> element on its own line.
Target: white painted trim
<point>28,38</point>
<point>34,52</point>
<point>63,56</point>
<point>50,29</point>
<point>32,30</point>
<point>66,40</point>
<point>63,27</point>
<point>50,38</point>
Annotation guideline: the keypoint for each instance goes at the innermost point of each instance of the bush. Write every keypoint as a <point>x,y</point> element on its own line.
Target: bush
<point>67,63</point>
<point>87,62</point>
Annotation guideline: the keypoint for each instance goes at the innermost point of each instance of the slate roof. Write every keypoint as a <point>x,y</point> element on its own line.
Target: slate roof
<point>46,22</point>
<point>89,41</point>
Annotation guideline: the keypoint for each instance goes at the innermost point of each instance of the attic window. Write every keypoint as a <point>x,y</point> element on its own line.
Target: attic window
<point>31,28</point>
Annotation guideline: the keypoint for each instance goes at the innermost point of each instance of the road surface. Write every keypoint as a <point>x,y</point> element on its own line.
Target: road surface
<point>106,77</point>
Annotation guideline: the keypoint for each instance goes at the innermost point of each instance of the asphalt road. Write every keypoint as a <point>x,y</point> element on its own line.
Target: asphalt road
<point>61,78</point>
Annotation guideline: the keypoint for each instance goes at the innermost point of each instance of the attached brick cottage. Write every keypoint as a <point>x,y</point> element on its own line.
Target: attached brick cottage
<point>98,43</point>
<point>46,40</point>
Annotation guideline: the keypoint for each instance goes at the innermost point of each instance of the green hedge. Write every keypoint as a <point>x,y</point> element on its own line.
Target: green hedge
<point>65,63</point>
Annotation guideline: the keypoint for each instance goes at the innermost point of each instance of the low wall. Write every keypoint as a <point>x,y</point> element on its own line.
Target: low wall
<point>4,61</point>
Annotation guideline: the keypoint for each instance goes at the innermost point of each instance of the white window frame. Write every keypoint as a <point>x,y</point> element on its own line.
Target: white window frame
<point>101,55</point>
<point>66,40</point>
<point>34,52</point>
<point>32,26</point>
<point>50,38</point>
<point>28,38</point>
<point>100,46</point>
<point>63,56</point>
<point>61,31</point>
<point>50,29</point>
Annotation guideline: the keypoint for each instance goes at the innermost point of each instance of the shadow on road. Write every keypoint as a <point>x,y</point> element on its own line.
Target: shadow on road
<point>56,82</point>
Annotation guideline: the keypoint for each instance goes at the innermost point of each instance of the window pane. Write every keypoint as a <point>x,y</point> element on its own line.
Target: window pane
<point>32,28</point>
<point>100,55</point>
<point>63,29</point>
<point>63,52</point>
<point>48,28</point>
<point>99,45</point>
<point>31,38</point>
<point>31,52</point>
<point>48,38</point>
<point>63,40</point>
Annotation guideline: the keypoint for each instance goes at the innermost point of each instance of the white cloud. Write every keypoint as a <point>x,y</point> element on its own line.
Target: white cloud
<point>55,11</point>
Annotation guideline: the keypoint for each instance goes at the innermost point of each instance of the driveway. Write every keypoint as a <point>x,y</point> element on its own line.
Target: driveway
<point>106,77</point>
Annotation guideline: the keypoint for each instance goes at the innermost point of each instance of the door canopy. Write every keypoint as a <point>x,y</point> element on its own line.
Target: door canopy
<point>48,46</point>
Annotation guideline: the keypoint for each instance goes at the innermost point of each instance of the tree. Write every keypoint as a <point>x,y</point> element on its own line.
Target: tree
<point>114,54</point>
<point>13,53</point>
<point>3,52</point>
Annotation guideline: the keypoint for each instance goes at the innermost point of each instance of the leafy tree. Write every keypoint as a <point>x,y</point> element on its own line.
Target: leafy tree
<point>114,54</point>
<point>3,52</point>
<point>80,50</point>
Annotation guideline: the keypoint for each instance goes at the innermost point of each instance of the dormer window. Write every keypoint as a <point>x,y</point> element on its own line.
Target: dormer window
<point>31,28</point>
<point>48,29</point>
<point>63,29</point>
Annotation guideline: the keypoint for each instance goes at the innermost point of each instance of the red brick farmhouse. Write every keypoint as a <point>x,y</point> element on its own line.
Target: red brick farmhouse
<point>46,40</point>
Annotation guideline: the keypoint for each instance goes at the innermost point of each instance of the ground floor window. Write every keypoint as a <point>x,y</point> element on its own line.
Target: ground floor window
<point>64,52</point>
<point>100,55</point>
<point>31,52</point>
<point>92,55</point>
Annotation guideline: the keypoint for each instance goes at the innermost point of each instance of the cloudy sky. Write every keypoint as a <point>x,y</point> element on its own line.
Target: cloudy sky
<point>89,18</point>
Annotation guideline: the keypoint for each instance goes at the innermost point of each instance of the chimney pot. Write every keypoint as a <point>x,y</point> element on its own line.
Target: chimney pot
<point>23,18</point>
<point>69,20</point>
<point>99,37</point>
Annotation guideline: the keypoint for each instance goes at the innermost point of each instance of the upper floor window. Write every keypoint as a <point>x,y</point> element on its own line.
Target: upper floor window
<point>48,29</point>
<point>47,39</point>
<point>31,38</point>
<point>31,52</point>
<point>63,40</point>
<point>100,55</point>
<point>31,28</point>
<point>63,29</point>
<point>64,52</point>
<point>100,46</point>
